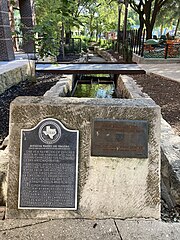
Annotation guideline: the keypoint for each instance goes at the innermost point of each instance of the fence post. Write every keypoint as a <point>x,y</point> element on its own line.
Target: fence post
<point>166,51</point>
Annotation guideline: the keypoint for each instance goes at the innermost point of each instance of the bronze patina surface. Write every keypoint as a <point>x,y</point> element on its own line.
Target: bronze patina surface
<point>120,138</point>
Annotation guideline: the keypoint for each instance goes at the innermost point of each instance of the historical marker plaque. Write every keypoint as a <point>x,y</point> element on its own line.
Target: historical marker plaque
<point>120,138</point>
<point>48,167</point>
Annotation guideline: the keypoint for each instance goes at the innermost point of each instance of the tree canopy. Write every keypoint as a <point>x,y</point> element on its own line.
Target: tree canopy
<point>150,10</point>
<point>57,18</point>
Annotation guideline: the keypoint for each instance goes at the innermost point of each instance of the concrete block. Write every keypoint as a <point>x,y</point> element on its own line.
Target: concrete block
<point>108,187</point>
<point>127,88</point>
<point>170,144</point>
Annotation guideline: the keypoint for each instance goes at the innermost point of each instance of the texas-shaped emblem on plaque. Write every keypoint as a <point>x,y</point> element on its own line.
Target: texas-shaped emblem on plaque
<point>48,166</point>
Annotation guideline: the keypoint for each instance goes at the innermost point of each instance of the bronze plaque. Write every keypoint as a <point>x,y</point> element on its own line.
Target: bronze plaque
<point>120,138</point>
<point>48,167</point>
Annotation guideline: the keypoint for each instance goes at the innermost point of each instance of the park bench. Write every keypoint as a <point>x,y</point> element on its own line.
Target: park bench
<point>172,48</point>
<point>150,44</point>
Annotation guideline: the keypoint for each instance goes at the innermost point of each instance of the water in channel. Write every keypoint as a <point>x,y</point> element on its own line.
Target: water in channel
<point>95,86</point>
<point>94,90</point>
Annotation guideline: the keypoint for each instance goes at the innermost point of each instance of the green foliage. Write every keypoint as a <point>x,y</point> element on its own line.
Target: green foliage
<point>92,18</point>
<point>169,14</point>
<point>46,40</point>
<point>149,10</point>
<point>105,44</point>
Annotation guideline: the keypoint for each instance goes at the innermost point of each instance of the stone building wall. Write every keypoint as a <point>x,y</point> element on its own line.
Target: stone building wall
<point>27,21</point>
<point>6,44</point>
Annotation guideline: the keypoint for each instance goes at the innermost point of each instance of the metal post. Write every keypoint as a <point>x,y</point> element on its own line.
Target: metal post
<point>166,51</point>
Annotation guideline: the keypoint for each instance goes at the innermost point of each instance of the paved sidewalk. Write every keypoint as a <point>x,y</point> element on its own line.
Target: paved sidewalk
<point>78,229</point>
<point>171,71</point>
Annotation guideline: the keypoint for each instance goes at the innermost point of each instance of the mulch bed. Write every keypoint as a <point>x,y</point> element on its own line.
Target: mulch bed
<point>166,93</point>
<point>26,88</point>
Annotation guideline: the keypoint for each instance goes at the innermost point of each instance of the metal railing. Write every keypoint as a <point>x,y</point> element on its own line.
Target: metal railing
<point>136,43</point>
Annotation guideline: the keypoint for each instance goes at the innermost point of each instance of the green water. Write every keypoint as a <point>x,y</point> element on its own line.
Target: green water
<point>94,90</point>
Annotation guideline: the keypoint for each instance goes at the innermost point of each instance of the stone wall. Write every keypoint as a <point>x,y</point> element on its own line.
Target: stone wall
<point>104,54</point>
<point>169,158</point>
<point>128,89</point>
<point>62,88</point>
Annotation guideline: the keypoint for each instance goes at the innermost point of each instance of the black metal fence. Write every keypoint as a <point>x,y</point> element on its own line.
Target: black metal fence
<point>136,43</point>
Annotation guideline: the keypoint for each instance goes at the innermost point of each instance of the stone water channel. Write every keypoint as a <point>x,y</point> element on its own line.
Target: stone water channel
<point>123,117</point>
<point>64,88</point>
<point>94,86</point>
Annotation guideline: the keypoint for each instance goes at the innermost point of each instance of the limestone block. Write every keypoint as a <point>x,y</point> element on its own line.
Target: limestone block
<point>14,73</point>
<point>62,87</point>
<point>108,187</point>
<point>170,144</point>
<point>3,176</point>
<point>127,88</point>
<point>104,54</point>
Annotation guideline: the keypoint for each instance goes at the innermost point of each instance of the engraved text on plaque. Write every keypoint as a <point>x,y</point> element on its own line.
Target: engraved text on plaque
<point>49,167</point>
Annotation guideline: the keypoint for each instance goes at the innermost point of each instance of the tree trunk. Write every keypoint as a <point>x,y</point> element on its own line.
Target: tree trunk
<point>62,42</point>
<point>125,22</point>
<point>68,36</point>
<point>12,25</point>
<point>141,21</point>
<point>91,27</point>
<point>149,29</point>
<point>161,30</point>
<point>177,25</point>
